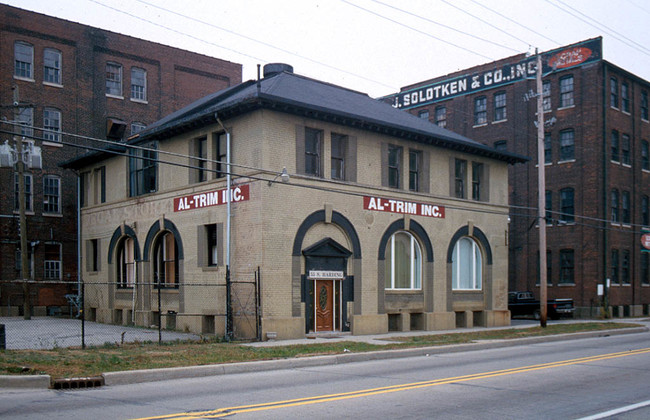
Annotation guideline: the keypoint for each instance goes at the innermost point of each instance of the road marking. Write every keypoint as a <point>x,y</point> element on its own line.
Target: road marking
<point>617,411</point>
<point>222,412</point>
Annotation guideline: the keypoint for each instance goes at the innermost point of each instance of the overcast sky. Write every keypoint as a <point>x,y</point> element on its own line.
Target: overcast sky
<point>373,46</point>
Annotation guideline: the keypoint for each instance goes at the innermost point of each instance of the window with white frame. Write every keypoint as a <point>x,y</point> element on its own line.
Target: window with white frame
<point>52,125</point>
<point>51,194</point>
<point>480,110</point>
<point>26,121</point>
<point>403,262</point>
<point>546,95</point>
<point>166,261</point>
<point>566,91</point>
<point>113,79</point>
<point>126,263</point>
<point>567,145</point>
<point>441,116</point>
<point>23,60</point>
<point>52,263</point>
<point>466,265</point>
<point>138,84</point>
<point>52,66</point>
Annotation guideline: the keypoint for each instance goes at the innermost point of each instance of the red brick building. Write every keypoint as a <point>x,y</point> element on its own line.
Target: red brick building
<point>597,167</point>
<point>78,82</point>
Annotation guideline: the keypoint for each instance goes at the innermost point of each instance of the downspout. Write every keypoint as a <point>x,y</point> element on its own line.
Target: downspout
<point>605,302</point>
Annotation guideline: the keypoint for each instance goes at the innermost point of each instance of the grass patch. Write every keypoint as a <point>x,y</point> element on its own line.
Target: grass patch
<point>74,362</point>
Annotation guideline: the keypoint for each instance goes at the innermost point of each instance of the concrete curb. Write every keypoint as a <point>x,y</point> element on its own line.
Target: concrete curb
<point>152,375</point>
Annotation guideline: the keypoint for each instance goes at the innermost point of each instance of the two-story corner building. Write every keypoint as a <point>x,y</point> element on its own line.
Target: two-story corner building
<point>381,221</point>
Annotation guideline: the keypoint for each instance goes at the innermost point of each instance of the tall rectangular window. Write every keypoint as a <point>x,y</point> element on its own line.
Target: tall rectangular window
<point>92,255</point>
<point>566,91</point>
<point>143,168</point>
<point>52,66</point>
<point>613,92</point>
<point>213,254</point>
<point>337,158</point>
<point>625,97</point>
<point>625,267</point>
<point>500,113</point>
<point>220,154</point>
<point>26,121</point>
<point>567,145</point>
<point>394,165</point>
<point>625,149</point>
<point>567,265</point>
<point>549,206</point>
<point>23,60</point>
<point>645,155</point>
<point>567,206</point>
<point>645,210</point>
<point>549,269</point>
<point>616,154</point>
<point>52,125</point>
<point>99,179</point>
<point>28,193</point>
<point>313,148</point>
<point>200,162</point>
<point>546,95</point>
<point>424,114</point>
<point>645,268</point>
<point>441,116</point>
<point>613,266</point>
<point>460,176</point>
<point>548,148</point>
<point>113,79</point>
<point>52,261</point>
<point>415,163</point>
<point>625,207</point>
<point>138,84</point>
<point>614,206</point>
<point>477,179</point>
<point>644,105</point>
<point>480,110</point>
<point>51,194</point>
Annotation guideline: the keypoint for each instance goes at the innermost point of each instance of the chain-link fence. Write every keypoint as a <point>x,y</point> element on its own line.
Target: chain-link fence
<point>91,313</point>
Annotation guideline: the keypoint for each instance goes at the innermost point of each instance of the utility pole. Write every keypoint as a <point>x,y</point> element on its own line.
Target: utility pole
<point>541,195</point>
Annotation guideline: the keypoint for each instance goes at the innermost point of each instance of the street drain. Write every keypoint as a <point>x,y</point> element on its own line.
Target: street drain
<point>77,383</point>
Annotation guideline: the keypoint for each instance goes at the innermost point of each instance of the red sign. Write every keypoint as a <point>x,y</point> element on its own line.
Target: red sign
<point>645,241</point>
<point>570,57</point>
<point>403,207</point>
<point>211,198</point>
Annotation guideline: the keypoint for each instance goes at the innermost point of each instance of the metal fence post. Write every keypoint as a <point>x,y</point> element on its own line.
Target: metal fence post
<point>159,316</point>
<point>82,310</point>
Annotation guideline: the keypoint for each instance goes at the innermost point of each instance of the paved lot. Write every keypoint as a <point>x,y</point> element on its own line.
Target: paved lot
<point>51,332</point>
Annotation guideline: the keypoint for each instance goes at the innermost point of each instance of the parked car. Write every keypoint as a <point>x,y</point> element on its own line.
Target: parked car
<point>525,304</point>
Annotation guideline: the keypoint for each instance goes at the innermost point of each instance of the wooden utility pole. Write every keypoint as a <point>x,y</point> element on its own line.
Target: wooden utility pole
<point>541,195</point>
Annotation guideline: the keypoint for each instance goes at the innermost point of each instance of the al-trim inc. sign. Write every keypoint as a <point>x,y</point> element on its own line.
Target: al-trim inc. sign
<point>564,58</point>
<point>390,205</point>
<point>212,198</point>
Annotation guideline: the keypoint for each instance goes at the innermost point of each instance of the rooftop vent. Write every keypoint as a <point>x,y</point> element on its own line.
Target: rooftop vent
<point>275,68</point>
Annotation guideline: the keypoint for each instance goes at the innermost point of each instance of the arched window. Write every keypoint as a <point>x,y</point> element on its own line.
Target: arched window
<point>403,262</point>
<point>466,265</point>
<point>126,263</point>
<point>165,261</point>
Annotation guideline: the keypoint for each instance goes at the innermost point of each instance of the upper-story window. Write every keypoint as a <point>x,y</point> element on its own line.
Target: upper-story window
<point>424,114</point>
<point>616,154</point>
<point>394,165</point>
<point>143,169</point>
<point>478,182</point>
<point>625,207</point>
<point>441,116</point>
<point>23,60</point>
<point>645,155</point>
<point>313,151</point>
<point>567,145</point>
<point>548,148</point>
<point>415,163</point>
<point>460,178</point>
<point>546,95</point>
<point>136,127</point>
<point>645,210</point>
<point>26,121</point>
<point>625,97</point>
<point>567,206</point>
<point>52,261</point>
<point>548,200</point>
<point>567,266</point>
<point>625,149</point>
<point>29,192</point>
<point>52,124</point>
<point>501,145</point>
<point>613,92</point>
<point>200,161</point>
<point>500,106</point>
<point>566,91</point>
<point>138,84</point>
<point>113,79</point>
<point>644,105</point>
<point>480,110</point>
<point>220,153</point>
<point>51,194</point>
<point>52,66</point>
<point>614,206</point>
<point>337,158</point>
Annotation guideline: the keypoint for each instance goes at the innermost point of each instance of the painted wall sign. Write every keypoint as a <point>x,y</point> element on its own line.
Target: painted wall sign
<point>571,56</point>
<point>325,274</point>
<point>403,207</point>
<point>211,198</point>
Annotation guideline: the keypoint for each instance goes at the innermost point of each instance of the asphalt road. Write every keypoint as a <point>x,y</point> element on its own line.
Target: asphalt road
<point>560,380</point>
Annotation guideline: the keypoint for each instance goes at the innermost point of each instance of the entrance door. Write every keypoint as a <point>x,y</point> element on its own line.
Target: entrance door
<point>324,305</point>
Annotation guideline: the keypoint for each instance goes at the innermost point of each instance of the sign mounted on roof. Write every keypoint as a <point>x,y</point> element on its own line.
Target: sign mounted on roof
<point>560,59</point>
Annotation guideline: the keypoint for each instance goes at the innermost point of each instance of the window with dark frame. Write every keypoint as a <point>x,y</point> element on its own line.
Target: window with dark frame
<point>113,79</point>
<point>625,97</point>
<point>501,145</point>
<point>166,261</point>
<point>394,160</point>
<point>567,265</point>
<point>645,155</point>
<point>441,116</point>
<point>645,210</point>
<point>28,192</point>
<point>625,267</point>
<point>613,92</point>
<point>23,60</point>
<point>549,271</point>
<point>94,255</point>
<point>616,156</point>
<point>51,194</point>
<point>625,149</point>
<point>52,261</point>
<point>337,159</point>
<point>500,111</point>
<point>480,110</point>
<point>546,95</point>
<point>614,206</point>
<point>126,263</point>
<point>567,207</point>
<point>213,254</point>
<point>477,173</point>
<point>548,148</point>
<point>460,174</point>
<point>52,66</point>
<point>424,114</point>
<point>645,268</point>
<point>644,105</point>
<point>567,145</point>
<point>566,92</point>
<point>221,154</point>
<point>26,121</point>
<point>415,162</point>
<point>613,266</point>
<point>625,207</point>
<point>200,160</point>
<point>549,206</point>
<point>138,84</point>
<point>143,169</point>
<point>313,144</point>
<point>52,125</point>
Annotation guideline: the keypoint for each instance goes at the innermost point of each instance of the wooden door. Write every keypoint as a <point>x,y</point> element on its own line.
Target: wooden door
<point>324,304</point>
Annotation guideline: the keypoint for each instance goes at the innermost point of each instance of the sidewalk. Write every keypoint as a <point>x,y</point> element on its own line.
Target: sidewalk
<point>150,375</point>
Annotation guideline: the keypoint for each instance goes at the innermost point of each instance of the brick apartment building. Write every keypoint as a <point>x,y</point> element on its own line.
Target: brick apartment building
<point>76,80</point>
<point>597,167</point>
<point>362,232</point>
